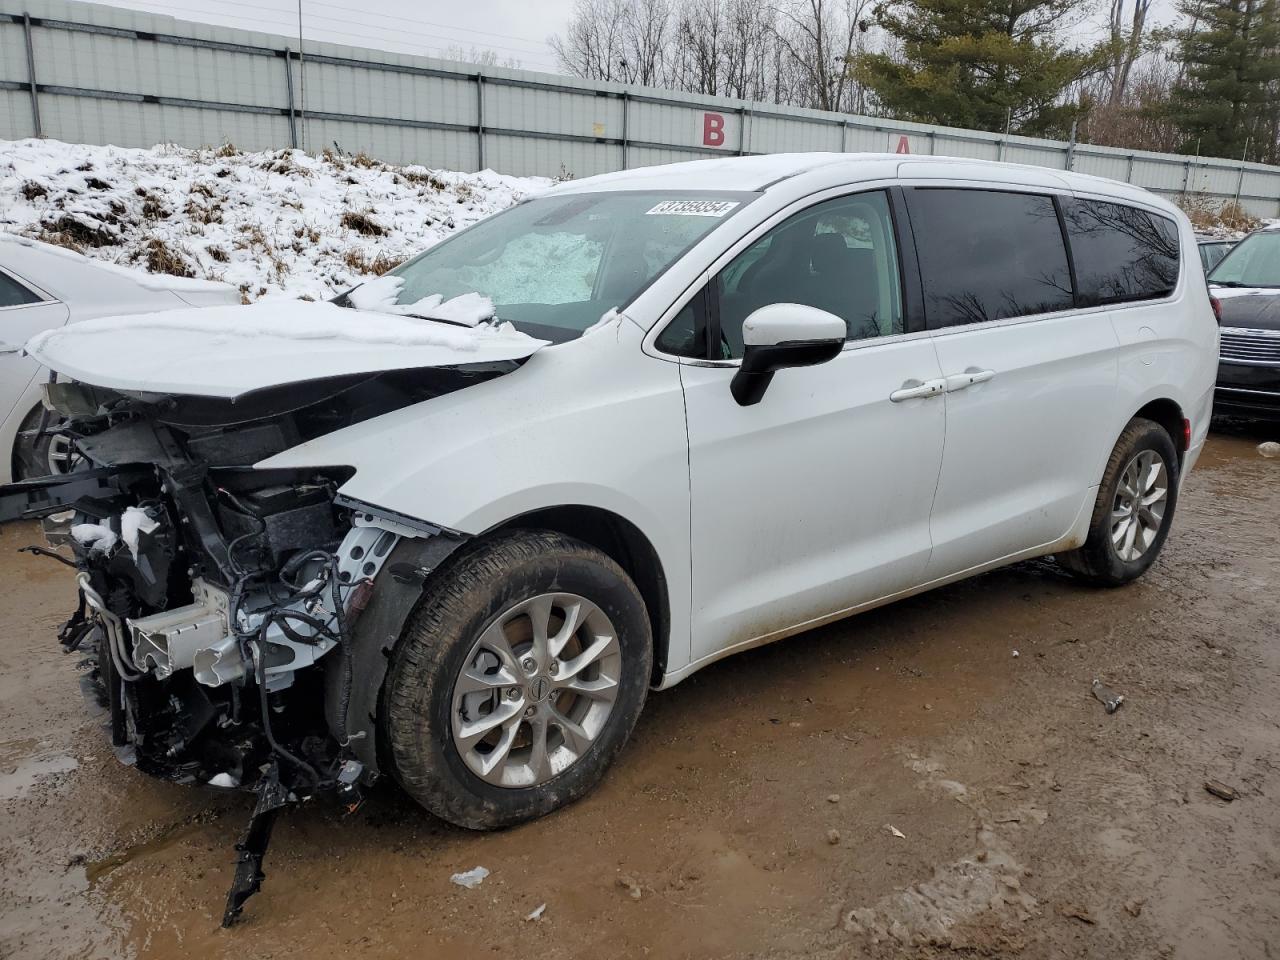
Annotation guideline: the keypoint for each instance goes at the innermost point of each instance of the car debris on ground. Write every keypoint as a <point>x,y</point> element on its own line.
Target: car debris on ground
<point>1221,790</point>
<point>1106,696</point>
<point>470,878</point>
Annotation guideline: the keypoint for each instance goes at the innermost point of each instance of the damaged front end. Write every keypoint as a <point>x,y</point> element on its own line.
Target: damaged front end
<point>235,620</point>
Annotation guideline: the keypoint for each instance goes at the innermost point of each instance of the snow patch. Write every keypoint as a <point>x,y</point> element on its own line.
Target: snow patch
<point>267,222</point>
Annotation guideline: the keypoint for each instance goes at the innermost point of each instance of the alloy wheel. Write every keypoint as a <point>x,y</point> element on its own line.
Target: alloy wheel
<point>1138,511</point>
<point>536,690</point>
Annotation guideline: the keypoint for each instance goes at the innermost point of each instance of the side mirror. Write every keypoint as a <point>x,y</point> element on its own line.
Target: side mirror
<point>783,335</point>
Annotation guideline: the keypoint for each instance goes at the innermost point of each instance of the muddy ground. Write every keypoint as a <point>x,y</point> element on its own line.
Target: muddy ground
<point>1032,823</point>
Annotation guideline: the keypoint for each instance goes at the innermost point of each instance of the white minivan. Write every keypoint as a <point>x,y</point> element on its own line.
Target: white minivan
<point>453,526</point>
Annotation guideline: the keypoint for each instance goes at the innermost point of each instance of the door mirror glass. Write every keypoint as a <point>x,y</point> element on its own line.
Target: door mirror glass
<point>783,335</point>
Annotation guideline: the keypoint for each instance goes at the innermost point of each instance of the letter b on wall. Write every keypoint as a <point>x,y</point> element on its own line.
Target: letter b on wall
<point>712,130</point>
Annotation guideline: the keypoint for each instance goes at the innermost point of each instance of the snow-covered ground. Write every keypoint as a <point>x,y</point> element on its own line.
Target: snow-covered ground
<point>270,222</point>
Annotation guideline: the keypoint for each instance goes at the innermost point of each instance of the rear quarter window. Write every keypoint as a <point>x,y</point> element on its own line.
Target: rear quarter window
<point>987,255</point>
<point>1121,253</point>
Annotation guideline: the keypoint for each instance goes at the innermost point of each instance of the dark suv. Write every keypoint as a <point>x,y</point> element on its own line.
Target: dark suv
<point>1247,286</point>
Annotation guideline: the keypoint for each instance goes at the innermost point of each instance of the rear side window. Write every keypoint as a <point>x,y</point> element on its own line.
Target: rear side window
<point>1121,253</point>
<point>14,294</point>
<point>987,255</point>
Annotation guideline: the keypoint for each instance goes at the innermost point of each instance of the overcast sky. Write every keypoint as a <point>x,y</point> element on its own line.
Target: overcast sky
<point>515,29</point>
<point>511,29</point>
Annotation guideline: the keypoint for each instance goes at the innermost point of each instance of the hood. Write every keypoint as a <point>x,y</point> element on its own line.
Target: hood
<point>230,351</point>
<point>1255,307</point>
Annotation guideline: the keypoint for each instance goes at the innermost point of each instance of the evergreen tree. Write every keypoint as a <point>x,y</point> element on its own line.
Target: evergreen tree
<point>1231,65</point>
<point>979,63</point>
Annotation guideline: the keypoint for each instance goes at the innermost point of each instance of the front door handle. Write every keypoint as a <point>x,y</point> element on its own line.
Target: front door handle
<point>914,389</point>
<point>962,381</point>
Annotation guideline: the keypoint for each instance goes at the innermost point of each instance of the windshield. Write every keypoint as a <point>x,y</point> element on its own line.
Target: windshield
<point>553,266</point>
<point>1254,262</point>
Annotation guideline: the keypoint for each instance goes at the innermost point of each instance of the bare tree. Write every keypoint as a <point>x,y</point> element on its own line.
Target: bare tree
<point>1126,47</point>
<point>594,47</point>
<point>819,37</point>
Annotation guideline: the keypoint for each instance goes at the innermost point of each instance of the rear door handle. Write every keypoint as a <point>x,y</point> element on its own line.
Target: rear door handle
<point>962,381</point>
<point>915,389</point>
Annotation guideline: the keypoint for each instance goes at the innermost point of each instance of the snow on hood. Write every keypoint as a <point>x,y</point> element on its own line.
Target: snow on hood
<point>383,294</point>
<point>233,350</point>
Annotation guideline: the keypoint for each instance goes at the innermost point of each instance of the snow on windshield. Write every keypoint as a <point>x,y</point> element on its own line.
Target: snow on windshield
<point>382,294</point>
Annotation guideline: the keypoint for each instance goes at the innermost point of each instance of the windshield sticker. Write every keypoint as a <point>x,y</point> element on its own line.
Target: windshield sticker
<point>692,208</point>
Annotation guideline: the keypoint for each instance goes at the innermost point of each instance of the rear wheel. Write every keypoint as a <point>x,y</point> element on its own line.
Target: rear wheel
<point>1134,508</point>
<point>518,680</point>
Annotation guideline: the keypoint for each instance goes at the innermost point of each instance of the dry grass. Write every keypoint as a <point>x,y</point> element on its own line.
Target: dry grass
<point>360,263</point>
<point>199,213</point>
<point>362,223</point>
<point>34,191</point>
<point>76,234</point>
<point>153,209</point>
<point>1208,214</point>
<point>227,150</point>
<point>163,259</point>
<point>424,179</point>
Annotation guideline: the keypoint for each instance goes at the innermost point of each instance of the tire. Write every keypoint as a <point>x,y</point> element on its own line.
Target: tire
<point>427,715</point>
<point>1101,561</point>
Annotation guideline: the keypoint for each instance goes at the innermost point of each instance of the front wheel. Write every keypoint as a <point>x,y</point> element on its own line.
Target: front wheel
<point>1134,508</point>
<point>518,680</point>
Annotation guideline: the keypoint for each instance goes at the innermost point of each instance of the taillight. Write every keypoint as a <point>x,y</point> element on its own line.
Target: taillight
<point>1217,308</point>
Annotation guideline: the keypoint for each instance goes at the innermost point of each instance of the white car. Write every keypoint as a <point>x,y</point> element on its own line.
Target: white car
<point>325,543</point>
<point>42,287</point>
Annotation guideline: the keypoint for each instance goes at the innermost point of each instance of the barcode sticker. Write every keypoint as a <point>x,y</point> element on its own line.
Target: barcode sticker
<point>692,208</point>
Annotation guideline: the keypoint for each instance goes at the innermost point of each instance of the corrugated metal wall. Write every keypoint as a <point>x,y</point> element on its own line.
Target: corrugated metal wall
<point>88,73</point>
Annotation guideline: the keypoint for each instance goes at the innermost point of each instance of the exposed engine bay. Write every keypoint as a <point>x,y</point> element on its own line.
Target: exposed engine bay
<point>235,621</point>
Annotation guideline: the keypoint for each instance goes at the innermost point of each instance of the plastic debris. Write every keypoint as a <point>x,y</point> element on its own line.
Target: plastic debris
<point>1269,449</point>
<point>537,913</point>
<point>628,883</point>
<point>1016,654</point>
<point>833,798</point>
<point>833,837</point>
<point>1221,790</point>
<point>1106,696</point>
<point>470,878</point>
<point>223,780</point>
<point>895,831</point>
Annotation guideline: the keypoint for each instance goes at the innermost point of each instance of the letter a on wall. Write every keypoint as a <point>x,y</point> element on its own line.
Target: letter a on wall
<point>712,130</point>
<point>903,145</point>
